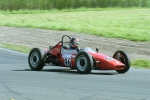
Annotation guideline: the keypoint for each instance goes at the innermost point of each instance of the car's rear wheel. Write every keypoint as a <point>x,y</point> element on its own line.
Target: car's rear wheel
<point>84,63</point>
<point>124,58</point>
<point>35,59</point>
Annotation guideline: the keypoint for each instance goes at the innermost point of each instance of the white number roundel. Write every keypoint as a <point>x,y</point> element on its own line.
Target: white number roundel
<point>67,61</point>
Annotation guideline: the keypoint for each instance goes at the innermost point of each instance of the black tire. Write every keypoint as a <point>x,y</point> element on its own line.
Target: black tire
<point>84,63</point>
<point>35,59</point>
<point>124,58</point>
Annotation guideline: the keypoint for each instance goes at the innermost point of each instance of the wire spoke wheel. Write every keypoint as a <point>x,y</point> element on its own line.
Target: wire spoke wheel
<point>124,58</point>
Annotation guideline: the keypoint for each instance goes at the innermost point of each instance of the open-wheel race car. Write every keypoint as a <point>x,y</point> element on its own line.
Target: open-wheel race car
<point>84,60</point>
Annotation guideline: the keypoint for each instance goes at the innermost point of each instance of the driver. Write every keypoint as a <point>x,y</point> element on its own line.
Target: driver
<point>73,43</point>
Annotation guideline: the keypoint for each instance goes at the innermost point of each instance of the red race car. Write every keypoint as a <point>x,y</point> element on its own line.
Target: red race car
<point>84,60</point>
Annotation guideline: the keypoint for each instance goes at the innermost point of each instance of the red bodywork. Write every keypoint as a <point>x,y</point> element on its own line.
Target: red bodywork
<point>105,62</point>
<point>101,61</point>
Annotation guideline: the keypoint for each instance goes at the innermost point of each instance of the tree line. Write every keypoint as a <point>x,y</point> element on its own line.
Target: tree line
<point>69,4</point>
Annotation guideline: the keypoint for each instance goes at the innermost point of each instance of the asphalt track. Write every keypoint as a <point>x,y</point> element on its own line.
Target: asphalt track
<point>18,82</point>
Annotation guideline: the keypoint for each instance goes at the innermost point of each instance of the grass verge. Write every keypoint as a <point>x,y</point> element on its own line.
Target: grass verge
<point>15,47</point>
<point>139,63</point>
<point>126,23</point>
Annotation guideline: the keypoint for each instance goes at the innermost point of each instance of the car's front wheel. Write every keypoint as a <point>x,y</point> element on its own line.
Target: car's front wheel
<point>84,63</point>
<point>124,58</point>
<point>35,59</point>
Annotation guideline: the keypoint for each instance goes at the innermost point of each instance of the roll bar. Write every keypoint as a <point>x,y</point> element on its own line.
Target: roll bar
<point>65,36</point>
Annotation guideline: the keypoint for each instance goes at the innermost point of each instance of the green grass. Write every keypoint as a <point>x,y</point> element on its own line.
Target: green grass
<point>81,9</point>
<point>141,63</point>
<point>131,23</point>
<point>15,47</point>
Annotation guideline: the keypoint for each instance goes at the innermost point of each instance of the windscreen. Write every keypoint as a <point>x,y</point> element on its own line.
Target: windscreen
<point>88,49</point>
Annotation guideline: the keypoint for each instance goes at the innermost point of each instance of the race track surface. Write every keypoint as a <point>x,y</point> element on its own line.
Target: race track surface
<point>18,82</point>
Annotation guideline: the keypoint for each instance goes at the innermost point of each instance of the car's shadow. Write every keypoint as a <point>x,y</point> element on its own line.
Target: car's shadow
<point>72,71</point>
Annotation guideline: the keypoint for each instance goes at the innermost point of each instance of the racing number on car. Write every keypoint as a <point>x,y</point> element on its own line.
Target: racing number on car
<point>67,61</point>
